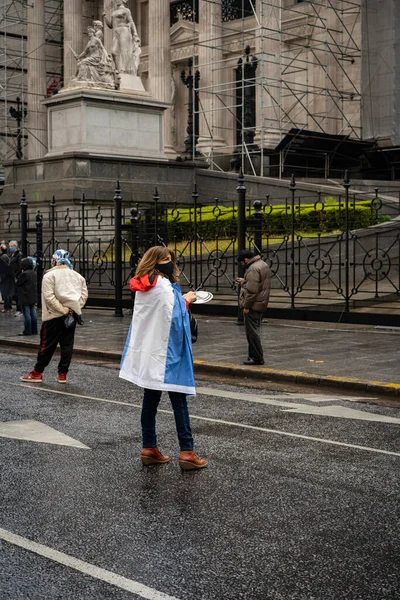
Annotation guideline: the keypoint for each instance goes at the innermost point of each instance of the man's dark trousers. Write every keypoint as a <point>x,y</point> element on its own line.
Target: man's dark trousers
<point>252,324</point>
<point>54,332</point>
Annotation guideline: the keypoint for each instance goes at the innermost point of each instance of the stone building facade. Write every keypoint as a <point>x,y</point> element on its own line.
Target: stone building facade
<point>328,67</point>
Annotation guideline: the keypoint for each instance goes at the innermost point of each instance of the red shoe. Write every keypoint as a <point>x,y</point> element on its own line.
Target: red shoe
<point>33,377</point>
<point>62,378</point>
<point>152,456</point>
<point>188,461</point>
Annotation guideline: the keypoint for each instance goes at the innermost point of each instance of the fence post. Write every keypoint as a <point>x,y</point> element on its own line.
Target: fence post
<point>136,215</point>
<point>118,250</point>
<point>195,197</point>
<point>53,224</point>
<point>24,225</point>
<point>292,188</point>
<point>39,255</point>
<point>156,199</point>
<point>257,216</point>
<point>346,184</point>
<point>241,231</point>
<point>83,254</point>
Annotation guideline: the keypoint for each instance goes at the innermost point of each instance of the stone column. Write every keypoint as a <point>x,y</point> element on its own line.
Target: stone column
<point>160,64</point>
<point>268,51</point>
<point>36,59</point>
<point>108,34</point>
<point>211,68</point>
<point>73,37</point>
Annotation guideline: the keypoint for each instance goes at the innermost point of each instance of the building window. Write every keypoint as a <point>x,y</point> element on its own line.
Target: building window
<point>237,9</point>
<point>184,10</point>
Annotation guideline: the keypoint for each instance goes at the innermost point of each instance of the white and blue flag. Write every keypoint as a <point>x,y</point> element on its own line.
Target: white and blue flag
<point>158,349</point>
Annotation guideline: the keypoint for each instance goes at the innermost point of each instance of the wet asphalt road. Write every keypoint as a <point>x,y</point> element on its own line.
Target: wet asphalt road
<point>277,515</point>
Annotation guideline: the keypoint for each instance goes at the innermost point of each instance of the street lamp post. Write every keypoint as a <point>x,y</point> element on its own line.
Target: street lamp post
<point>191,81</point>
<point>18,113</point>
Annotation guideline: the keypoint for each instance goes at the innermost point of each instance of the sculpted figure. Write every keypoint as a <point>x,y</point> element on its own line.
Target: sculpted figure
<point>126,42</point>
<point>94,65</point>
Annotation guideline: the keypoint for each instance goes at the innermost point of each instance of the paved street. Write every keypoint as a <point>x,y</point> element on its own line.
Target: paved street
<point>300,500</point>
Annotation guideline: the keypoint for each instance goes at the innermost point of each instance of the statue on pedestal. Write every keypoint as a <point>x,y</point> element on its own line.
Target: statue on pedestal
<point>94,65</point>
<point>126,48</point>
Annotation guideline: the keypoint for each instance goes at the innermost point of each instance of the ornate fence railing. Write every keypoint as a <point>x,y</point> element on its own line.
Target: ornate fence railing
<point>325,252</point>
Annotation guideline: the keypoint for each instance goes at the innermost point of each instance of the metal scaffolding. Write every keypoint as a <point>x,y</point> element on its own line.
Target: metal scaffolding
<point>13,70</point>
<point>278,66</point>
<point>307,68</point>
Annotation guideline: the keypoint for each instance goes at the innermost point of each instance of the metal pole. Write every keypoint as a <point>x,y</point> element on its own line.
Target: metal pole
<point>24,225</point>
<point>292,188</point>
<point>195,197</point>
<point>241,230</point>
<point>118,250</point>
<point>53,224</point>
<point>346,185</point>
<point>39,255</point>
<point>156,199</point>
<point>257,215</point>
<point>83,264</point>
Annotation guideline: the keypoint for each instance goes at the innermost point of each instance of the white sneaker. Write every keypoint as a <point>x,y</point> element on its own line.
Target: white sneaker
<point>18,314</point>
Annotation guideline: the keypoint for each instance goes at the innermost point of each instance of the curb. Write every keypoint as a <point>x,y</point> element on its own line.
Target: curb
<point>238,371</point>
<point>262,373</point>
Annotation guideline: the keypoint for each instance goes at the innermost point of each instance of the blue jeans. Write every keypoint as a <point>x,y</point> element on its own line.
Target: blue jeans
<point>30,320</point>
<point>151,401</point>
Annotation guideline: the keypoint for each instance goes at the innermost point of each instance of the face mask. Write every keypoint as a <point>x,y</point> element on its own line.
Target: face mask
<point>166,269</point>
<point>12,248</point>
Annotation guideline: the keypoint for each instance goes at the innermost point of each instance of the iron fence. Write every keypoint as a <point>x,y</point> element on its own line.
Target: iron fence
<point>334,252</point>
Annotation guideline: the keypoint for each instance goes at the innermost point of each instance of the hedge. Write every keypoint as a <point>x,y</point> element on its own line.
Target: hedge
<point>223,221</point>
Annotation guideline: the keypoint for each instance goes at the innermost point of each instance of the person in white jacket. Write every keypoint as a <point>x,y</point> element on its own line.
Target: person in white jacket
<point>64,293</point>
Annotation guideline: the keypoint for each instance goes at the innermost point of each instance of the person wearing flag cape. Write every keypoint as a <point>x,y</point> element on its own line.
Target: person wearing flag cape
<point>158,352</point>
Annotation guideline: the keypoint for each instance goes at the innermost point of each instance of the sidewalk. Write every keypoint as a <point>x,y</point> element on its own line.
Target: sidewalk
<point>358,357</point>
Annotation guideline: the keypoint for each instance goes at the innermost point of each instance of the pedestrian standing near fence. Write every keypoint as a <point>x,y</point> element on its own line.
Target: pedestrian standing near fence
<point>6,279</point>
<point>27,292</point>
<point>158,352</point>
<point>64,294</point>
<point>253,299</point>
<point>15,268</point>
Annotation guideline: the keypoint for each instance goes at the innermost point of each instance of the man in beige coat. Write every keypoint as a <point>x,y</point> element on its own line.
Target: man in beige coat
<point>253,299</point>
<point>64,293</point>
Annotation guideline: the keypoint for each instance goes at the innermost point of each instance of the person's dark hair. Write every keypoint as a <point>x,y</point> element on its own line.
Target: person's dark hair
<point>245,254</point>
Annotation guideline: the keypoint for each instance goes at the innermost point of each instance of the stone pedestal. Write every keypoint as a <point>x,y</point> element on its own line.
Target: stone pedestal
<point>106,123</point>
<point>131,84</point>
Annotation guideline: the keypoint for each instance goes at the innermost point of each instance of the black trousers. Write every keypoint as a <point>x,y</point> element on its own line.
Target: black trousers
<point>252,324</point>
<point>52,333</point>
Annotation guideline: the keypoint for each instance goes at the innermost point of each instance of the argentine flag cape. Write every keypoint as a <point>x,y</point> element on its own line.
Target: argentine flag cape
<point>158,349</point>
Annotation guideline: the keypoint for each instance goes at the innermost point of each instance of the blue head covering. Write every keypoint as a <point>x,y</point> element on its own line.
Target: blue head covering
<point>62,258</point>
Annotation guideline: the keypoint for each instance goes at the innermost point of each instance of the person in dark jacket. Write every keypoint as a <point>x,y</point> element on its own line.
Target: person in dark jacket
<point>15,268</point>
<point>253,299</point>
<point>27,292</point>
<point>7,285</point>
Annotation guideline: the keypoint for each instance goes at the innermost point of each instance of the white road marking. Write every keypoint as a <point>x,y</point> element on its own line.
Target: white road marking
<point>341,412</point>
<point>219,421</point>
<point>88,569</point>
<point>34,431</point>
<point>323,411</point>
<point>273,398</point>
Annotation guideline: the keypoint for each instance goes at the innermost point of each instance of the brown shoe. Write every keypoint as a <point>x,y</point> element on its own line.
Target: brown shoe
<point>188,461</point>
<point>152,456</point>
